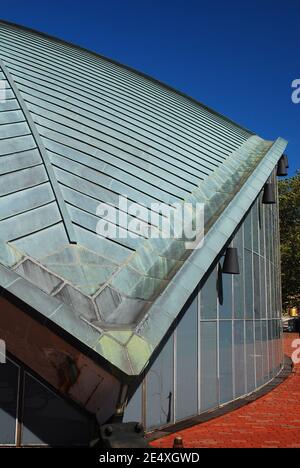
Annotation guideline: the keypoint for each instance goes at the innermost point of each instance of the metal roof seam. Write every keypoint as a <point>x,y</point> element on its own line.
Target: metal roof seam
<point>43,153</point>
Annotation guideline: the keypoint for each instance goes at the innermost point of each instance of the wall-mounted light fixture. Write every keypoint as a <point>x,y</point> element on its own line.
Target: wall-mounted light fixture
<point>281,167</point>
<point>231,261</point>
<point>269,194</point>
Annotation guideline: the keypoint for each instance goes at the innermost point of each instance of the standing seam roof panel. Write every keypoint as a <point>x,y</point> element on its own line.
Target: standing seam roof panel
<point>77,130</point>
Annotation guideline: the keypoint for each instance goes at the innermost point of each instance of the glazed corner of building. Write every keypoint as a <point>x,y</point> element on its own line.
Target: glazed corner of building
<point>100,321</point>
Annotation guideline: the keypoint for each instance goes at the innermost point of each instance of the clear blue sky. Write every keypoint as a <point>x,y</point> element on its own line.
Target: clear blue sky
<point>238,57</point>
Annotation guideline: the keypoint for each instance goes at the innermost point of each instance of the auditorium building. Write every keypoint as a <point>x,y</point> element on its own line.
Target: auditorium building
<point>133,326</point>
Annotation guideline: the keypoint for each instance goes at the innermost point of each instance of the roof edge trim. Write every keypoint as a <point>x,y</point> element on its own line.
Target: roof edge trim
<point>164,311</point>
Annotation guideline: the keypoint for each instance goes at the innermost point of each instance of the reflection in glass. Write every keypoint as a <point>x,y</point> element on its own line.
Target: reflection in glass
<point>48,419</point>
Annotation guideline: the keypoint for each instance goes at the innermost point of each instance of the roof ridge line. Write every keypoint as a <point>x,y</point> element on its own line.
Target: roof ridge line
<point>44,156</point>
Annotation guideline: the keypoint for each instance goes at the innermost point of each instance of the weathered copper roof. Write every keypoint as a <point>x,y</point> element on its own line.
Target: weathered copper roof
<point>76,130</point>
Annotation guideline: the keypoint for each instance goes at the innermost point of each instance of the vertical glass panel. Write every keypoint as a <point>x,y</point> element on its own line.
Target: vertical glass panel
<point>250,356</point>
<point>133,411</point>
<point>270,348</point>
<point>263,308</point>
<point>273,291</point>
<point>271,233</point>
<point>279,323</point>
<point>248,284</point>
<point>276,353</point>
<point>187,364</point>
<point>209,378</point>
<point>268,289</point>
<point>239,357</point>
<point>256,284</point>
<point>224,293</point>
<point>277,291</point>
<point>9,376</point>
<point>238,280</point>
<point>255,227</point>
<point>209,297</point>
<point>275,283</point>
<point>261,227</point>
<point>225,361</point>
<point>248,231</point>
<point>160,388</point>
<point>265,350</point>
<point>258,354</point>
<point>48,419</point>
<point>268,233</point>
<point>277,344</point>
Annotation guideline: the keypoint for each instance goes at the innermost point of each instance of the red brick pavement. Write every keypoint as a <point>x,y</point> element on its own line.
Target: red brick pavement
<point>271,421</point>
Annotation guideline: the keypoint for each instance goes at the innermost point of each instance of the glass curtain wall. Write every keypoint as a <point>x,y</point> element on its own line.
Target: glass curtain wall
<point>228,342</point>
<point>32,414</point>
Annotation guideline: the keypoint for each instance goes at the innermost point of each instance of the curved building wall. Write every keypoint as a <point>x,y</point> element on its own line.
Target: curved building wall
<point>221,349</point>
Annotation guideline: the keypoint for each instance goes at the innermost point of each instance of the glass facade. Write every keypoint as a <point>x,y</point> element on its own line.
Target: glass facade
<point>228,342</point>
<point>32,414</point>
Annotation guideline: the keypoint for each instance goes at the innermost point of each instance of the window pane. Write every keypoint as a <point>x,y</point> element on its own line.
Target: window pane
<point>9,375</point>
<point>263,308</point>
<point>268,233</point>
<point>250,356</point>
<point>268,289</point>
<point>239,357</point>
<point>133,411</point>
<point>261,227</point>
<point>256,284</point>
<point>265,350</point>
<point>209,297</point>
<point>280,349</point>
<point>209,379</point>
<point>248,231</point>
<point>255,227</point>
<point>225,361</point>
<point>238,280</point>
<point>187,364</point>
<point>258,354</point>
<point>248,284</point>
<point>48,419</point>
<point>160,389</point>
<point>271,354</point>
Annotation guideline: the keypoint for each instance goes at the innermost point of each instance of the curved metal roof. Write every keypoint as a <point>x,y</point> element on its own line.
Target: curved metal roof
<point>77,130</point>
